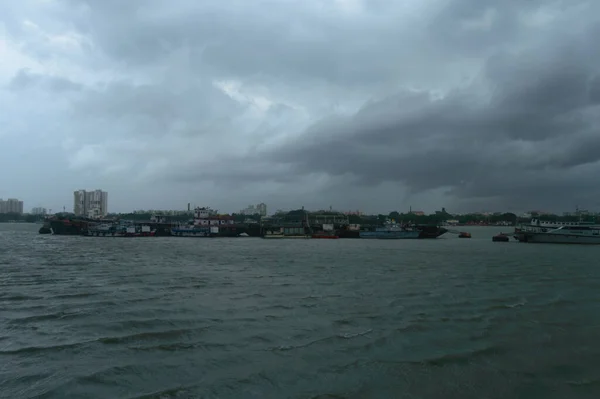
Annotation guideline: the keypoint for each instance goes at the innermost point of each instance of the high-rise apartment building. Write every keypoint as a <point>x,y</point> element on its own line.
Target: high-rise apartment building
<point>260,209</point>
<point>11,205</point>
<point>38,210</point>
<point>92,204</point>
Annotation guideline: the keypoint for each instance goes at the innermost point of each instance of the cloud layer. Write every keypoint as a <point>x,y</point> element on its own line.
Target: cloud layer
<point>467,104</point>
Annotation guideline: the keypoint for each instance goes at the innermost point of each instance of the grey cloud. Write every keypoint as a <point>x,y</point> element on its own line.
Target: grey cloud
<point>594,91</point>
<point>155,109</point>
<point>25,79</point>
<point>535,127</point>
<point>268,40</point>
<point>478,103</point>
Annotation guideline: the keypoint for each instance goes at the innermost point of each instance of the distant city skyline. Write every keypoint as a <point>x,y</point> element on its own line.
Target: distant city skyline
<point>182,208</point>
<point>373,105</point>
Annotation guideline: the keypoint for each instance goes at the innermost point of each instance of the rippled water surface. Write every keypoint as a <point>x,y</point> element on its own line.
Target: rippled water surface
<point>249,318</point>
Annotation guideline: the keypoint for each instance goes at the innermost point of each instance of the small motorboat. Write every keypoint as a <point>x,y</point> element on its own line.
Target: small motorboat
<point>501,238</point>
<point>464,234</point>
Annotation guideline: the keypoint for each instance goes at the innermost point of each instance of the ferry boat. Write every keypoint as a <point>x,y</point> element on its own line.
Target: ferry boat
<point>571,233</point>
<point>391,231</point>
<point>541,226</point>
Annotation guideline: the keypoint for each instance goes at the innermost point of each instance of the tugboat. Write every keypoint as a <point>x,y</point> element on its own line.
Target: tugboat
<point>464,234</point>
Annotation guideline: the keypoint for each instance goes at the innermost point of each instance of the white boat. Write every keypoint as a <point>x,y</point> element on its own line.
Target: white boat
<point>577,233</point>
<point>537,225</point>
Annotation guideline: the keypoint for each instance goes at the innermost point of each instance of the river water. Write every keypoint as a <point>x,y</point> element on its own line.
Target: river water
<point>84,317</point>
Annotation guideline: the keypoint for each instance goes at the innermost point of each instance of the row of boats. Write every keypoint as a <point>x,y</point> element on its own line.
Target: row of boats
<point>388,231</point>
<point>206,223</point>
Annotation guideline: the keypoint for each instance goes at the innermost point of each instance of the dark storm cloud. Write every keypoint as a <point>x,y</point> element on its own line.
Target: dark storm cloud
<point>525,141</point>
<point>494,103</point>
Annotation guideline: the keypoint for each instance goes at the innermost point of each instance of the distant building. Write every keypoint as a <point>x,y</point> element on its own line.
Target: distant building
<point>353,213</point>
<point>39,211</point>
<point>164,212</point>
<point>11,205</point>
<point>92,204</point>
<point>260,209</point>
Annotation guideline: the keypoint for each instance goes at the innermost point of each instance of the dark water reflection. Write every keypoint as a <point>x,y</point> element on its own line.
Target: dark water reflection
<point>250,318</point>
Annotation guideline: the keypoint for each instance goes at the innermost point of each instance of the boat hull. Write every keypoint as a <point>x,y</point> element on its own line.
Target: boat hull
<point>283,236</point>
<point>199,233</point>
<point>389,235</point>
<point>342,233</point>
<point>427,231</point>
<point>324,236</point>
<point>553,238</point>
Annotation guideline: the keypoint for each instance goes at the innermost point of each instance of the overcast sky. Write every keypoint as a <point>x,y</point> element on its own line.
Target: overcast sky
<point>357,104</point>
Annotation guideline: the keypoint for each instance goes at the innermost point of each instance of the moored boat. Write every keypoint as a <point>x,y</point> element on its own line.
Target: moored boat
<point>119,230</point>
<point>286,233</point>
<point>194,231</point>
<point>430,231</point>
<point>582,233</point>
<point>206,223</point>
<point>391,231</point>
<point>325,235</point>
<point>500,238</point>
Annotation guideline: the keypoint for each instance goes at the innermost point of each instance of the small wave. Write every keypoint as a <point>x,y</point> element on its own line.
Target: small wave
<point>508,305</point>
<point>169,393</point>
<point>259,339</point>
<point>103,376</point>
<point>560,302</point>
<point>349,335</point>
<point>343,322</point>
<point>464,357</point>
<point>284,307</point>
<point>585,382</point>
<point>44,317</point>
<point>333,337</point>
<point>17,297</point>
<point>165,347</point>
<point>34,349</point>
<point>149,336</point>
<point>76,295</point>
